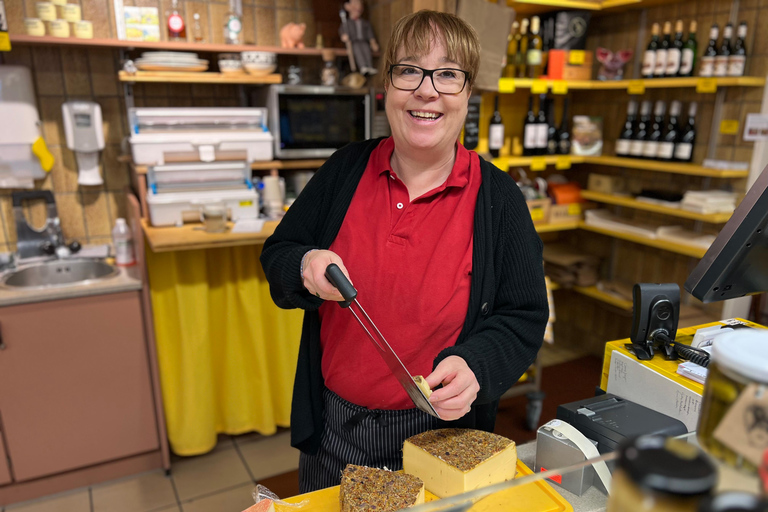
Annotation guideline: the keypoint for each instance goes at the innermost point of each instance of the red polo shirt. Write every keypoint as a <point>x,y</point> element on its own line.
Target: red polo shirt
<point>411,263</point>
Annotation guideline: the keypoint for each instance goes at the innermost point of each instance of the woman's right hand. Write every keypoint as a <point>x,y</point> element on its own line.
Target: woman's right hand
<point>314,274</point>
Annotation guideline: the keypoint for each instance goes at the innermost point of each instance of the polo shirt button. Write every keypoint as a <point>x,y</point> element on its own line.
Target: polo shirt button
<point>391,175</point>
<point>399,206</point>
<point>484,308</point>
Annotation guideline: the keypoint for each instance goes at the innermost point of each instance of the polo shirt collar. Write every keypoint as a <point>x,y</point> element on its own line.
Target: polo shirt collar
<point>460,172</point>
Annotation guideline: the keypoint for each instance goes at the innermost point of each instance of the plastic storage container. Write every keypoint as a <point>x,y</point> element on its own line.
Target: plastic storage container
<point>736,395</point>
<point>123,240</point>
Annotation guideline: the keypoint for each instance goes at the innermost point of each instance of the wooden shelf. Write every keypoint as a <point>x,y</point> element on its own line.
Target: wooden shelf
<point>538,163</point>
<point>198,78</point>
<point>169,45</point>
<point>685,249</point>
<point>670,167</point>
<point>266,165</point>
<point>704,85</point>
<point>192,236</point>
<point>559,226</point>
<point>629,202</point>
<point>595,293</point>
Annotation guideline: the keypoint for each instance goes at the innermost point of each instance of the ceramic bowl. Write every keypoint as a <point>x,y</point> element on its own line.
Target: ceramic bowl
<point>230,63</point>
<point>259,58</point>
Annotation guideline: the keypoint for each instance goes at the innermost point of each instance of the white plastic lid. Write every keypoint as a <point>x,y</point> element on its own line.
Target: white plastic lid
<point>744,351</point>
<point>120,222</point>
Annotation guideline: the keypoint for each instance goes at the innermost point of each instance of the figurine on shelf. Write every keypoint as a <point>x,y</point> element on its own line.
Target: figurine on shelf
<point>357,32</point>
<point>330,73</point>
<point>612,64</point>
<point>291,35</point>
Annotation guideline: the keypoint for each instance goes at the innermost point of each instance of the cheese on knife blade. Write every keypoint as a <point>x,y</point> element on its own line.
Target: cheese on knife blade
<point>452,461</point>
<point>363,489</point>
<point>422,383</point>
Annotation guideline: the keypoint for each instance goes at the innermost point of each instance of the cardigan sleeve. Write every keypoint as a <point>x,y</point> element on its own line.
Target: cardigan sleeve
<point>504,342</point>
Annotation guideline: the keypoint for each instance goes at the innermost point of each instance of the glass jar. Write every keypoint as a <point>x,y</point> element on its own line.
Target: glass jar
<point>660,474</point>
<point>739,361</point>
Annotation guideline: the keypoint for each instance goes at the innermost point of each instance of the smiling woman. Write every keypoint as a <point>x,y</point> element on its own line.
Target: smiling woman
<point>440,245</point>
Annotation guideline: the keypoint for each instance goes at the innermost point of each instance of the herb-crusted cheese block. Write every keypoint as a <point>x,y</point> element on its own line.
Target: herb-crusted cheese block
<point>364,489</point>
<point>452,461</point>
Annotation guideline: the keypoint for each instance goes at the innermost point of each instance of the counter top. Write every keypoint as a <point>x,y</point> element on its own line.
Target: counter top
<point>128,279</point>
<point>193,236</point>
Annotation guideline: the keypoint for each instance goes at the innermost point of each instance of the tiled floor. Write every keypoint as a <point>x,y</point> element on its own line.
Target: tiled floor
<point>220,481</point>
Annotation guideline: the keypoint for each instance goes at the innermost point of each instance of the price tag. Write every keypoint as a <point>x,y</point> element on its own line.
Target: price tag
<point>563,162</point>
<point>574,209</point>
<point>706,85</point>
<point>507,85</point>
<point>538,163</point>
<point>729,126</point>
<point>539,87</point>
<point>537,214</point>
<point>559,87</point>
<point>636,87</point>
<point>576,57</point>
<point>5,42</point>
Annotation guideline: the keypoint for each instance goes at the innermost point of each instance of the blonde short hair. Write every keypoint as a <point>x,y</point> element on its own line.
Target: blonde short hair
<point>415,32</point>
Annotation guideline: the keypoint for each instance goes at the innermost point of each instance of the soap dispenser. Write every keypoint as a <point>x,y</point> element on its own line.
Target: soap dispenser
<point>85,136</point>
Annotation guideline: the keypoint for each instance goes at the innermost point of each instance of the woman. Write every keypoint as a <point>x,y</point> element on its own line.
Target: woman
<point>443,253</point>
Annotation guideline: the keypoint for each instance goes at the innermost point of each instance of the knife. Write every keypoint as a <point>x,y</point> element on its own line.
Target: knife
<point>337,278</point>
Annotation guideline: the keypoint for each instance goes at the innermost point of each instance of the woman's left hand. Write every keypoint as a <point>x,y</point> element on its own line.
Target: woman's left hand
<point>459,390</point>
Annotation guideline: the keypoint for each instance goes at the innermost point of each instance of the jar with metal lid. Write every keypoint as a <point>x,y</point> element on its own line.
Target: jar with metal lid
<point>733,425</point>
<point>662,474</point>
<point>735,501</point>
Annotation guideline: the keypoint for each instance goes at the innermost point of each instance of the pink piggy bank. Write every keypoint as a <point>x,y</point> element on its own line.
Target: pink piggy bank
<point>291,34</point>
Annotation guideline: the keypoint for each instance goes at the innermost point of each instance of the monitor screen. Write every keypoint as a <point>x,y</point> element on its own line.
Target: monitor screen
<point>736,264</point>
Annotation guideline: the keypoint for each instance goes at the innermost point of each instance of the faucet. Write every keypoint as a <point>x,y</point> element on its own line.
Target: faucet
<point>56,244</point>
<point>47,241</point>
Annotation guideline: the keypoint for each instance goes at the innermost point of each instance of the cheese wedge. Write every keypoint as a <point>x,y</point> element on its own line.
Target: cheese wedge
<point>422,383</point>
<point>452,461</point>
<point>364,489</point>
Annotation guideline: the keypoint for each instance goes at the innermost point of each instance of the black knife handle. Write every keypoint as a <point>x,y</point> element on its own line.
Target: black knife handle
<point>337,278</point>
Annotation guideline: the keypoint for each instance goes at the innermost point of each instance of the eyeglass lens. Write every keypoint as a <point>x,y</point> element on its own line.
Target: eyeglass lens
<point>445,80</point>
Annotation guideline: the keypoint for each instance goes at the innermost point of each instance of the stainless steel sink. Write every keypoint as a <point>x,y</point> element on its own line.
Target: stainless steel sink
<point>59,273</point>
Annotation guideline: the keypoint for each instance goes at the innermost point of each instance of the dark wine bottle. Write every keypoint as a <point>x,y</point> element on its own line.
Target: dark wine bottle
<point>651,146</point>
<point>710,53</point>
<point>529,130</point>
<point>670,137</point>
<point>687,139</point>
<point>564,132</point>
<point>724,53</point>
<point>690,48</point>
<point>660,69</point>
<point>495,130</point>
<point>649,57</point>
<point>542,127</point>
<point>738,58</point>
<point>641,131</point>
<point>552,131</point>
<point>675,52</point>
<point>624,141</point>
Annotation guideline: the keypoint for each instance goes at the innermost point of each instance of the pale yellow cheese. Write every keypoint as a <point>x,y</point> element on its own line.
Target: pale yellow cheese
<point>421,381</point>
<point>454,461</point>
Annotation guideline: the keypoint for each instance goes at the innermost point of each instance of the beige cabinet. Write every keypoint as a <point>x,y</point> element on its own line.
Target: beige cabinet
<point>75,386</point>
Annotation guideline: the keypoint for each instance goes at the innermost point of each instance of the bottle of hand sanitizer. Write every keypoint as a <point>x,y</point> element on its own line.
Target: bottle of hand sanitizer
<point>123,240</point>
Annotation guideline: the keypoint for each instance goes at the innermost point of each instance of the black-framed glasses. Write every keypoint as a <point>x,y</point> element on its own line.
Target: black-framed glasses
<point>407,77</point>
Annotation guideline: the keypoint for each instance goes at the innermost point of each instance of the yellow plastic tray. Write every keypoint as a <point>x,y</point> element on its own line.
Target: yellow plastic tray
<point>534,497</point>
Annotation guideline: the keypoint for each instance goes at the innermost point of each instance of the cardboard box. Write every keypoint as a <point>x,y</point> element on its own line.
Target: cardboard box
<point>565,212</point>
<point>606,183</point>
<point>565,65</point>
<point>539,209</point>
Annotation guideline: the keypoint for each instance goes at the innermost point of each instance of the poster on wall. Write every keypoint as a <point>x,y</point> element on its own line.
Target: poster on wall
<point>5,40</point>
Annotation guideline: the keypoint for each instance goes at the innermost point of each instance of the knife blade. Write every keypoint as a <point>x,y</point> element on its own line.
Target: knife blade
<point>337,278</point>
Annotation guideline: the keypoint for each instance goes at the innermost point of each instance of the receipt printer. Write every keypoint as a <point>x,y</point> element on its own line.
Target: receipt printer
<point>609,420</point>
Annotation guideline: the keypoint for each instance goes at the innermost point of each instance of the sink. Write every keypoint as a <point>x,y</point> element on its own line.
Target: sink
<point>59,273</point>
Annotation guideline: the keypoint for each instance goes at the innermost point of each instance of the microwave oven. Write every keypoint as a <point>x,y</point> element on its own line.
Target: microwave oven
<point>313,121</point>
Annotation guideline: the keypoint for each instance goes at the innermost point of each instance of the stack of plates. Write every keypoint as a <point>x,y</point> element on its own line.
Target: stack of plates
<point>170,61</point>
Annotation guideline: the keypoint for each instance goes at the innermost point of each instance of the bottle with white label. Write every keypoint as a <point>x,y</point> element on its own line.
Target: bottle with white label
<point>687,139</point>
<point>707,68</point>
<point>649,57</point>
<point>738,58</point>
<point>533,56</point>
<point>641,131</point>
<point>724,53</point>
<point>624,141</point>
<point>688,59</point>
<point>542,126</point>
<point>667,144</point>
<point>123,241</point>
<point>495,131</point>
<point>529,130</point>
<point>651,146</point>
<point>660,69</point>
<point>675,52</point>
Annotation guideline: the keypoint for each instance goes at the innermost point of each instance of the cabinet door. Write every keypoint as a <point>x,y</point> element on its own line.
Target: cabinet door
<point>5,470</point>
<point>74,383</point>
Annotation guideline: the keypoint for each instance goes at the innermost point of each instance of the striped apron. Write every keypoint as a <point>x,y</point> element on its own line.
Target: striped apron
<point>356,435</point>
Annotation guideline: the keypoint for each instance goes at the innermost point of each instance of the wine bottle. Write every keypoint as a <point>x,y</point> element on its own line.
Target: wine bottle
<point>708,57</point>
<point>542,127</point>
<point>624,141</point>
<point>552,132</point>
<point>689,52</point>
<point>684,146</point>
<point>512,40</point>
<point>651,146</point>
<point>564,133</point>
<point>529,131</point>
<point>495,130</point>
<point>522,49</point>
<point>660,68</point>
<point>738,58</point>
<point>641,131</point>
<point>675,52</point>
<point>724,53</point>
<point>177,30</point>
<point>667,144</point>
<point>649,57</point>
<point>533,56</point>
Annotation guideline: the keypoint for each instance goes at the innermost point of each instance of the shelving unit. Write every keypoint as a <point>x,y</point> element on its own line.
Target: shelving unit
<point>198,77</point>
<point>629,202</point>
<point>702,85</point>
<point>595,293</point>
<point>526,7</point>
<point>558,226</point>
<point>685,249</point>
<point>263,165</point>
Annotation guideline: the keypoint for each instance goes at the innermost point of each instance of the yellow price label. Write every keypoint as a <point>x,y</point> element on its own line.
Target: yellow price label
<point>636,87</point>
<point>537,214</point>
<point>706,85</point>
<point>246,203</point>
<point>559,87</point>
<point>539,87</point>
<point>507,85</point>
<point>729,126</point>
<point>563,162</point>
<point>574,209</point>
<point>538,163</point>
<point>5,42</point>
<point>576,57</point>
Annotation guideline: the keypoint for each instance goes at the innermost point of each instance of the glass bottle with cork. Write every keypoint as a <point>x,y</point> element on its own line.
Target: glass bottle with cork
<point>177,28</point>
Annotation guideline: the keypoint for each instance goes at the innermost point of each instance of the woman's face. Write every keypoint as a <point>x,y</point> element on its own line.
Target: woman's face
<point>425,119</point>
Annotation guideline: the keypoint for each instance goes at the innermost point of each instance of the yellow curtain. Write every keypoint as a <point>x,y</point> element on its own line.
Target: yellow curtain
<point>226,353</point>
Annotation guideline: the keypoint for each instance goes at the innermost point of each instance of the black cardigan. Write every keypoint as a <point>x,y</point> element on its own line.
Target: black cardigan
<point>507,312</point>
